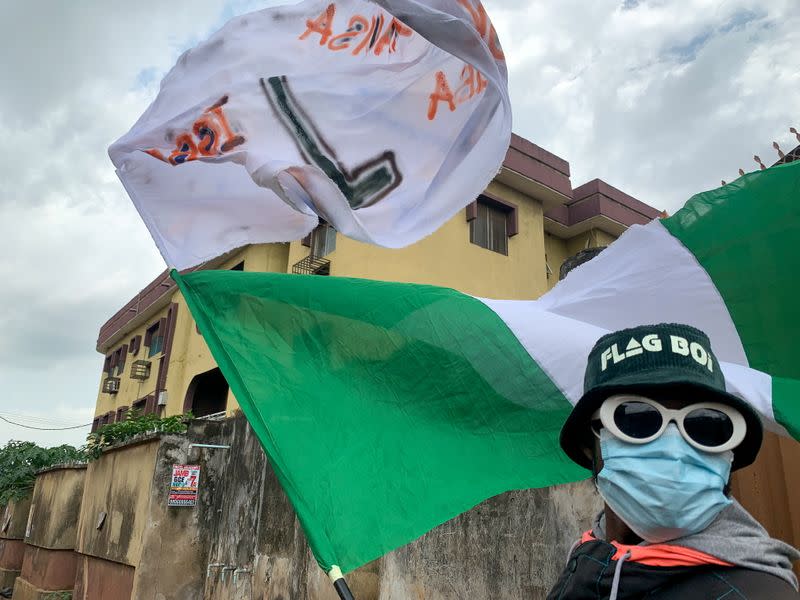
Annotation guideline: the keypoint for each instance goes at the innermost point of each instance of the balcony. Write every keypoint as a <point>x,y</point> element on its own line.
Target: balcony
<point>312,265</point>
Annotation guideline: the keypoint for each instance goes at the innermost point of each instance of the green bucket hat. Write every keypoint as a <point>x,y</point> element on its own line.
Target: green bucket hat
<point>664,359</point>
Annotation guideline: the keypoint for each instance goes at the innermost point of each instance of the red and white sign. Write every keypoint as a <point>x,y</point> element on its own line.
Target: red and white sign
<point>184,484</point>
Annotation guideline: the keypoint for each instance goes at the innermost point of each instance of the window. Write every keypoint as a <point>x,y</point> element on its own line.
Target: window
<point>154,337</point>
<point>140,406</point>
<point>135,344</point>
<point>238,267</point>
<point>491,223</point>
<point>121,354</point>
<point>323,240</point>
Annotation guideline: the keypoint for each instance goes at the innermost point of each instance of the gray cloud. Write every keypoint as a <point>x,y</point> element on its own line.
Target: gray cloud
<point>662,98</point>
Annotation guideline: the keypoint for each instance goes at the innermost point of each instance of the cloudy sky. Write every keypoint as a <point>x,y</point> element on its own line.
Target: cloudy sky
<point>661,98</point>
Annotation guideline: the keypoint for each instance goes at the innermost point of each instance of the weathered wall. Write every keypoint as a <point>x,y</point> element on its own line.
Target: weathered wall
<point>118,484</point>
<point>99,579</point>
<point>512,546</point>
<point>13,521</point>
<point>11,555</point>
<point>55,508</point>
<point>50,561</point>
<point>770,489</point>
<point>50,570</point>
<point>172,558</point>
<point>154,551</point>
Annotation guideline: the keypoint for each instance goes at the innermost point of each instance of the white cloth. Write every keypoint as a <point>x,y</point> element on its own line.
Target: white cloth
<point>337,110</point>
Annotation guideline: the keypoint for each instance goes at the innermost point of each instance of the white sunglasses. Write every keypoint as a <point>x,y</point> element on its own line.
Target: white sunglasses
<point>708,426</point>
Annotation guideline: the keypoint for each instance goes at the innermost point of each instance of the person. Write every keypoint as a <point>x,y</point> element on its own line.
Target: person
<point>661,435</point>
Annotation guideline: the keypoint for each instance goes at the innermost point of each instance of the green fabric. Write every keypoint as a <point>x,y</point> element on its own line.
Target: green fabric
<point>751,250</point>
<point>746,235</point>
<point>786,404</point>
<point>385,408</point>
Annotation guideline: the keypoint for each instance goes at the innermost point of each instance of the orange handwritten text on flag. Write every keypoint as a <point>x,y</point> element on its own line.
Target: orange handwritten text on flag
<point>210,135</point>
<point>484,26</point>
<point>472,84</point>
<point>363,35</point>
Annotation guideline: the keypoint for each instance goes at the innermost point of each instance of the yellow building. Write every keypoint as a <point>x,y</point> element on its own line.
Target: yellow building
<point>509,243</point>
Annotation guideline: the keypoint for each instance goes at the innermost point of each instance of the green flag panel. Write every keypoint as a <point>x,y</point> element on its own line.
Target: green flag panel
<point>746,235</point>
<point>385,408</point>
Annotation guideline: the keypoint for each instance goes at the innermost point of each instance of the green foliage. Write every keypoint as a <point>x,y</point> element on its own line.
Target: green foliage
<point>134,424</point>
<point>19,462</point>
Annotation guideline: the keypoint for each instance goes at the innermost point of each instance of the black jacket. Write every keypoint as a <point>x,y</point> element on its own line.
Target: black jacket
<point>589,574</point>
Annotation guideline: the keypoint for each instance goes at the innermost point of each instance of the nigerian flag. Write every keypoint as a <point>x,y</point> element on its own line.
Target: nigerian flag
<point>388,408</point>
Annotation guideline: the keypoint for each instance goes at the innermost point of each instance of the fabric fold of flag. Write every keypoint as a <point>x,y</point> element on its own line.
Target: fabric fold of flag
<point>382,118</point>
<point>389,408</point>
<point>385,408</point>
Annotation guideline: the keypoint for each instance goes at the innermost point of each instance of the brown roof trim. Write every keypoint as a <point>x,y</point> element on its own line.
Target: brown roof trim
<point>533,162</point>
<point>598,186</point>
<point>157,289</point>
<point>524,146</point>
<point>596,198</point>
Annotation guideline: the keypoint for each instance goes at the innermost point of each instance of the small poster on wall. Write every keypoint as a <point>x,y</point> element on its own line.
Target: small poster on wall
<point>183,487</point>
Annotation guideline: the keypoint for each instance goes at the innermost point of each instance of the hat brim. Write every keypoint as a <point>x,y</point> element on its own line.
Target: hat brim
<point>578,441</point>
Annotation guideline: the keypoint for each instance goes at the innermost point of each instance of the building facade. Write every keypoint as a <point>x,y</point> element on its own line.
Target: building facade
<point>509,244</point>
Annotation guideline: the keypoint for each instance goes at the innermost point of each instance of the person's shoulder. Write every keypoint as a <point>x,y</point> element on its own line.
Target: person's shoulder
<point>728,583</point>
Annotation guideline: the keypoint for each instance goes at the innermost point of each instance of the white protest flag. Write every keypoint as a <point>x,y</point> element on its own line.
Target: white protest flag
<point>383,118</point>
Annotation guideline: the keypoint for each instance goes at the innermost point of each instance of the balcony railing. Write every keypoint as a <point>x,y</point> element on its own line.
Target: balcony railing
<point>312,265</point>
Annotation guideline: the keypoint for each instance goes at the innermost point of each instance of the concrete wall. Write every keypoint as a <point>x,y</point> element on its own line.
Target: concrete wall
<point>770,489</point>
<point>150,550</point>
<point>117,485</point>
<point>172,558</point>
<point>55,508</point>
<point>13,521</point>
<point>45,572</point>
<point>98,579</point>
<point>50,561</point>
<point>512,546</point>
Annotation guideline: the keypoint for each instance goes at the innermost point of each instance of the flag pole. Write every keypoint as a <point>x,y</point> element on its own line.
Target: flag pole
<point>339,584</point>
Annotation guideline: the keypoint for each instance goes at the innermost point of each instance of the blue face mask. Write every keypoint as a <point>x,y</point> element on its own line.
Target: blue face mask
<point>664,489</point>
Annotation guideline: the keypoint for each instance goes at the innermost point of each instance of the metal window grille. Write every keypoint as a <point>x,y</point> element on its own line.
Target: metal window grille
<point>140,370</point>
<point>111,385</point>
